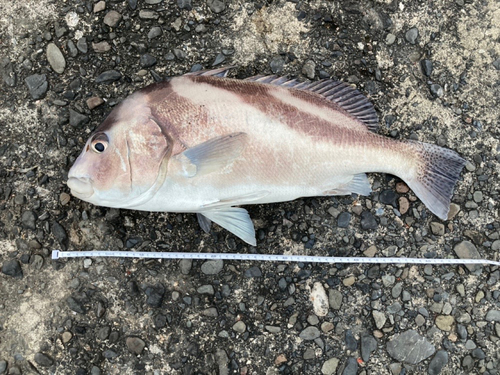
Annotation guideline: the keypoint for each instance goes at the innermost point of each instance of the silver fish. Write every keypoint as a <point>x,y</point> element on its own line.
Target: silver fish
<point>207,144</point>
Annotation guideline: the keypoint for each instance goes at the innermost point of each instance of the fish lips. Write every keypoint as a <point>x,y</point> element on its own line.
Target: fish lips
<point>80,187</point>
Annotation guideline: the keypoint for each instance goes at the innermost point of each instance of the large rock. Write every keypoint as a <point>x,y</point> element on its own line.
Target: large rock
<point>410,347</point>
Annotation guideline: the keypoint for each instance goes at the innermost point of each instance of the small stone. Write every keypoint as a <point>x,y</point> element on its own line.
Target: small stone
<point>94,102</point>
<point>155,295</point>
<point>368,346</point>
<point>9,76</point>
<point>239,327</point>
<point>135,345</point>
<point>112,18</point>
<point>185,266</point>
<point>100,6</point>
<point>219,59</point>
<point>212,267</point>
<point>390,39</point>
<point>412,35</point>
<point>351,367</point>
<point>310,333</point>
<point>343,220</point>
<point>327,327</point>
<point>477,196</point>
<point>29,220</point>
<point>379,318</point>
<point>253,272</point>
<point>348,281</point>
<point>43,360</point>
<point>179,54</point>
<point>479,296</point>
<point>496,64</point>
<point>277,63</point>
<point>437,228</point>
<point>206,289</point>
<point>467,250</point>
<point>273,329</point>
<point>330,366</point>
<point>3,366</point>
<point>388,280</point>
<point>147,60</point>
<point>216,6</point>
<point>454,210</point>
<point>404,205</point>
<point>101,47</point>
<point>66,337</point>
<point>148,14</point>
<point>426,66</point>
<point>410,347</point>
<point>436,90</point>
<point>308,69</point>
<point>438,362</point>
<point>445,322</point>
<point>469,345</point>
<point>368,221</point>
<point>319,299</point>
<point>75,305</point>
<point>155,32</point>
<point>210,312</point>
<point>478,353</point>
<point>108,76</point>
<point>109,354</point>
<point>419,320</point>
<point>12,268</point>
<point>493,316</point>
<point>280,360</point>
<point>77,119</point>
<point>37,85</point>
<point>81,44</point>
<point>184,4</point>
<point>388,197</point>
<point>55,58</point>
<point>402,188</point>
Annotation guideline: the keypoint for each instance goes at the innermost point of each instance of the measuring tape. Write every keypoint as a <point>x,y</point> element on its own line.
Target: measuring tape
<point>57,254</point>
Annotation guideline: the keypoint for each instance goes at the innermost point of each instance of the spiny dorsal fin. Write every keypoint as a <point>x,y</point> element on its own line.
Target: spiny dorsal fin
<point>220,72</point>
<point>347,97</point>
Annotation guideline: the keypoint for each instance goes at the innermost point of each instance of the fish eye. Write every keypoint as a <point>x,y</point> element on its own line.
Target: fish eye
<point>99,143</point>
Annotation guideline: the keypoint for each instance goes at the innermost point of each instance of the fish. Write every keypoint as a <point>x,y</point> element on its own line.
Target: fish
<point>207,144</point>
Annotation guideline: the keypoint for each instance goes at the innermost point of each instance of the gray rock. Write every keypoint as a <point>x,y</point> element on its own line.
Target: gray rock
<point>60,234</point>
<point>438,362</point>
<point>180,54</point>
<point>184,4</point>
<point>112,18</point>
<point>379,318</point>
<point>493,316</point>
<point>368,221</point>
<point>309,69</point>
<point>55,58</point>
<point>29,220</point>
<point>330,366</point>
<point>478,353</point>
<point>467,250</point>
<point>37,85</point>
<point>410,347</point>
<point>216,6</point>
<point>412,35</point>
<point>135,345</point>
<point>239,327</point>
<point>310,333</point>
<point>253,272</point>
<point>335,299</point>
<point>343,220</point>
<point>155,32</point>
<point>437,228</point>
<point>153,2</point>
<point>368,346</point>
<point>103,333</point>
<point>147,60</point>
<point>12,268</point>
<point>155,295</point>
<point>148,14</point>
<point>185,266</point>
<point>222,361</point>
<point>3,366</point>
<point>8,74</point>
<point>73,51</point>
<point>351,367</point>
<point>109,354</point>
<point>436,90</point>
<point>462,332</point>
<point>219,59</point>
<point>75,305</point>
<point>426,66</point>
<point>43,360</point>
<point>101,47</point>
<point>108,76</point>
<point>212,267</point>
<point>350,341</point>
<point>496,64</point>
<point>77,119</point>
<point>95,370</point>
<point>277,63</point>
<point>206,289</point>
<point>82,45</point>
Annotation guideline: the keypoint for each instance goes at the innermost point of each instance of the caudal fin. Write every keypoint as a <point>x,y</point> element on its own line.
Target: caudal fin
<point>435,178</point>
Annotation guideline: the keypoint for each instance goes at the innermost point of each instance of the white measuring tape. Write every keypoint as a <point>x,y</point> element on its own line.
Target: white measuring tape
<point>57,254</point>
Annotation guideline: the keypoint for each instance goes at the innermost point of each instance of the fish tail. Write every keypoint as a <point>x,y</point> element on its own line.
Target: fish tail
<point>435,176</point>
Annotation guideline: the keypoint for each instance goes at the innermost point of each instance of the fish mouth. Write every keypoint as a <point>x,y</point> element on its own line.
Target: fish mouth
<point>80,187</point>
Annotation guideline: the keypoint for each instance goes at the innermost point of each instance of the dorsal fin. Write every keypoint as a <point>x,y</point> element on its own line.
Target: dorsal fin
<point>220,72</point>
<point>347,97</point>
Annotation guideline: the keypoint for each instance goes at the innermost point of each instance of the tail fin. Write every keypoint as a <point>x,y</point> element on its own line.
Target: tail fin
<point>437,173</point>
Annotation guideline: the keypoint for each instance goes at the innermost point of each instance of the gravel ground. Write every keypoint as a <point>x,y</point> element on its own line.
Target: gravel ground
<point>431,69</point>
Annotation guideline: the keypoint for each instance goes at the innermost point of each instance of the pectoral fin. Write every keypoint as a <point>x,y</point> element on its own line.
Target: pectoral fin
<point>212,155</point>
<point>234,219</point>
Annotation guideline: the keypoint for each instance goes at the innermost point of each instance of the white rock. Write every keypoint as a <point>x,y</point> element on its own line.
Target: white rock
<point>319,299</point>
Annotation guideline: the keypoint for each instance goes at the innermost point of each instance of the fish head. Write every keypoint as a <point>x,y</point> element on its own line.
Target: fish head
<point>124,161</point>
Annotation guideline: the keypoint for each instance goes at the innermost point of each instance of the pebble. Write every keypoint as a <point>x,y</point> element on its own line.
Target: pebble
<point>37,85</point>
<point>493,316</point>
<point>310,333</point>
<point>350,341</point>
<point>410,347</point>
<point>454,210</point>
<point>277,63</point>
<point>368,221</point>
<point>55,58</point>
<point>210,312</point>
<point>496,64</point>
<point>216,6</point>
<point>75,305</point>
<point>379,318</point>
<point>147,60</point>
<point>253,272</point>
<point>411,35</point>
<point>437,228</point>
<point>388,197</point>
<point>66,337</point>
<point>3,366</point>
<point>467,250</point>
<point>438,362</point>
<point>77,119</point>
<point>327,326</point>
<point>404,205</point>
<point>319,299</point>
<point>43,360</point>
<point>109,354</point>
<point>351,367</point>
<point>436,90</point>
<point>9,76</point>
<point>99,6</point>
<point>390,39</point>
<point>426,66</point>
<point>330,366</point>
<point>273,329</point>
<point>348,281</point>
<point>148,14</point>
<point>155,32</point>
<point>82,45</point>
<point>219,59</point>
<point>184,4</point>
<point>155,295</point>
<point>309,69</point>
<point>343,220</point>
<point>108,76</point>
<point>112,18</point>
<point>206,289</point>
<point>445,322</point>
<point>12,268</point>
<point>185,266</point>
<point>212,267</point>
<point>239,327</point>
<point>101,47</point>
<point>29,220</point>
<point>368,346</point>
<point>94,102</point>
<point>135,345</point>
<point>388,280</point>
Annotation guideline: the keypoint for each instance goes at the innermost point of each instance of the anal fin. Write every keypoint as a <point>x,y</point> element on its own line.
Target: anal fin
<point>234,219</point>
<point>359,184</point>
